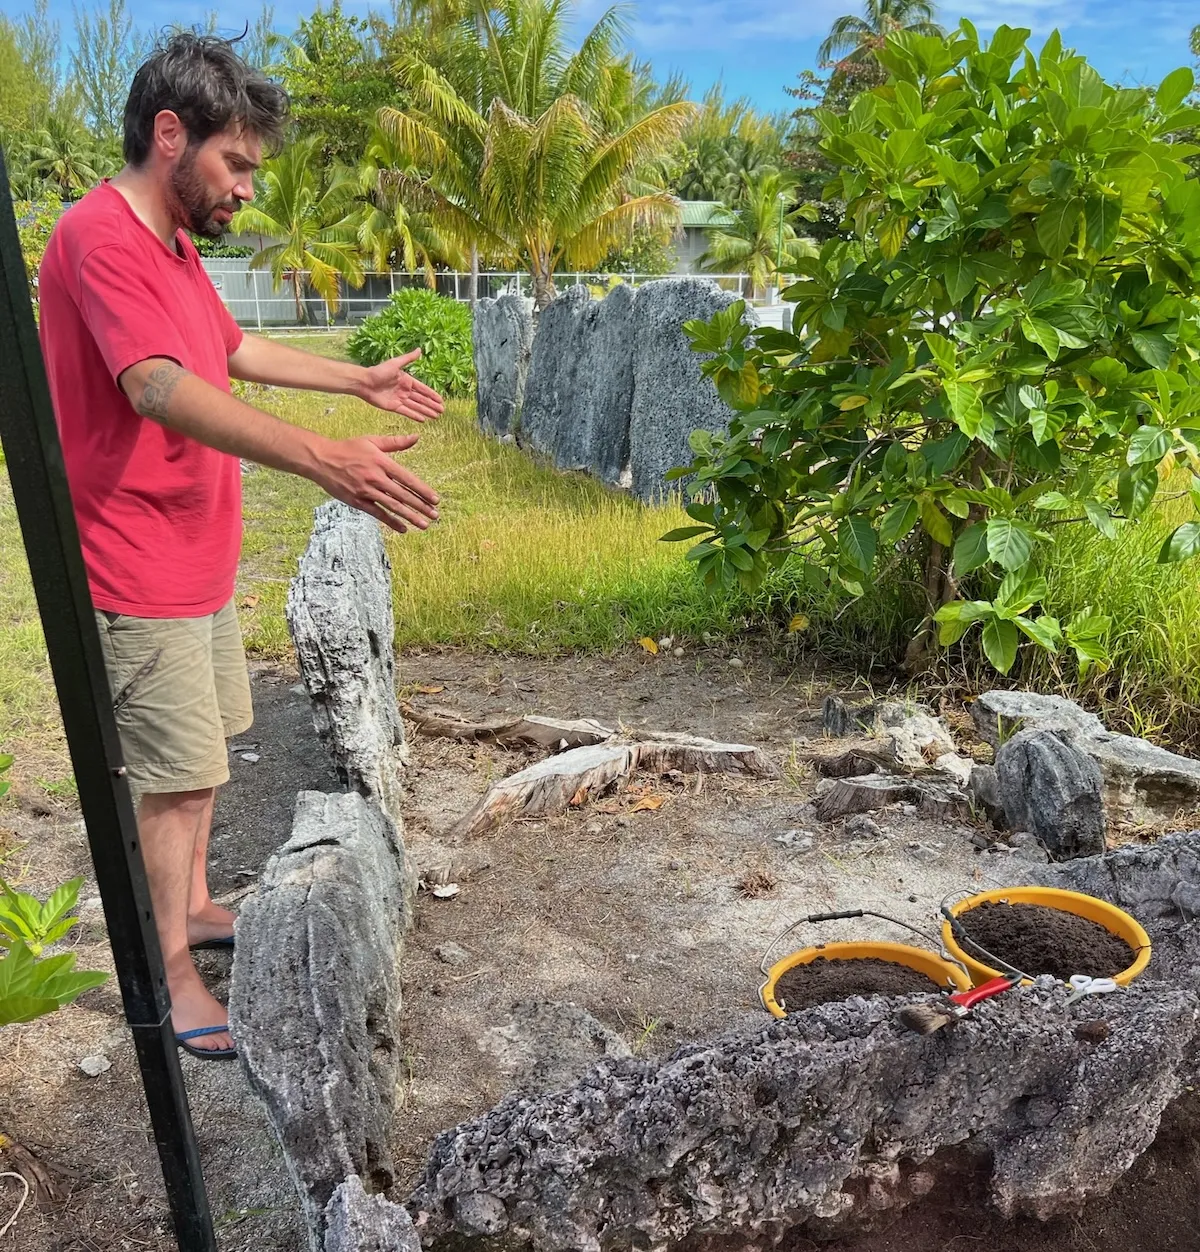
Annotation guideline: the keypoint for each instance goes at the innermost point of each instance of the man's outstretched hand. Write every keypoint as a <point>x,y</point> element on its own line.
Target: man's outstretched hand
<point>390,387</point>
<point>361,472</point>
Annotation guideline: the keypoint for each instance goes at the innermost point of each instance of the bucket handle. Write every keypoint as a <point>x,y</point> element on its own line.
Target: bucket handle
<point>764,968</point>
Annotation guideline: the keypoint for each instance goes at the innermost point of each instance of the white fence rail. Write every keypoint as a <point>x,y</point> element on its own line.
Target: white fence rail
<point>256,302</point>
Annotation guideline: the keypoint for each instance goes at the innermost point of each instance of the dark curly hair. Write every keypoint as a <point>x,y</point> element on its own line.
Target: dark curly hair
<point>203,80</point>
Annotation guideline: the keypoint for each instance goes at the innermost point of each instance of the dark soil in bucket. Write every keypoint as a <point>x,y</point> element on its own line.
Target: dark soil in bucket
<point>822,981</point>
<point>1041,940</point>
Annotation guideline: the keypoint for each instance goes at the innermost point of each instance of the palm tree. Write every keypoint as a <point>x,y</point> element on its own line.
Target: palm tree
<point>312,214</point>
<point>514,152</point>
<point>855,39</point>
<point>389,232</point>
<point>751,243</point>
<point>62,153</point>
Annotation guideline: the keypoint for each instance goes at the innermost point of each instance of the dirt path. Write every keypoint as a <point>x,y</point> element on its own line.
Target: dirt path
<point>649,911</point>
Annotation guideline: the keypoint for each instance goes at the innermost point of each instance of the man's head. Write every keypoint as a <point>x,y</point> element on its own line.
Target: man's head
<point>201,117</point>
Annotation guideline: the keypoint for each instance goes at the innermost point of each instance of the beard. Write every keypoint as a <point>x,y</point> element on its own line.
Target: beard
<point>194,206</point>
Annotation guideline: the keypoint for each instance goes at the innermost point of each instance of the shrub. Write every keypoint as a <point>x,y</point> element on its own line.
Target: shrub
<point>419,318</point>
<point>1005,344</point>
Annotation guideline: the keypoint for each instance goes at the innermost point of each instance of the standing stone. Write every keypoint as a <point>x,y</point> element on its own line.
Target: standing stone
<point>358,1222</point>
<point>596,438</point>
<point>552,388</point>
<point>315,998</point>
<point>671,398</point>
<point>502,338</point>
<point>339,611</point>
<point>1051,788</point>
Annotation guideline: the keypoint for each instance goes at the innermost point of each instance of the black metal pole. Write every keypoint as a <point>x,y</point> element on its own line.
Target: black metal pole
<point>39,482</point>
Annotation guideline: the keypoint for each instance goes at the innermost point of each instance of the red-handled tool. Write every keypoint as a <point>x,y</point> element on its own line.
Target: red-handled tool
<point>926,1018</point>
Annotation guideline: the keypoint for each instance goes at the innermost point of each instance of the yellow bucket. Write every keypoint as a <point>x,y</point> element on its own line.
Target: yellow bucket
<point>1116,921</point>
<point>942,972</point>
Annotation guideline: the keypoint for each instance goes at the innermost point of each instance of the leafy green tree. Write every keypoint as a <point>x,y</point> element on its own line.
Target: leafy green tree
<point>727,142</point>
<point>532,177</point>
<point>857,39</point>
<point>763,233</point>
<point>311,212</point>
<point>390,234</point>
<point>23,99</point>
<point>337,79</point>
<point>108,51</point>
<point>62,155</point>
<point>1008,342</point>
<point>35,221</point>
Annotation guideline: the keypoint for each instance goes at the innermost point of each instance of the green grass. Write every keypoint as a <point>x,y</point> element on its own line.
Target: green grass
<point>524,558</point>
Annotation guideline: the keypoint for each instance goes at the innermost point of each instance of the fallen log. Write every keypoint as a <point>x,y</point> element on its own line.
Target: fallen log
<point>550,734</point>
<point>876,791</point>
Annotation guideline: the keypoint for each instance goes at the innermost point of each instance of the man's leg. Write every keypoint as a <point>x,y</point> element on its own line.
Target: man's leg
<point>206,920</point>
<point>169,826</point>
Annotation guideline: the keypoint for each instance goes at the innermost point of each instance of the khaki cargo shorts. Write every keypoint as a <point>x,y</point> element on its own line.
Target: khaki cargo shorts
<point>179,688</point>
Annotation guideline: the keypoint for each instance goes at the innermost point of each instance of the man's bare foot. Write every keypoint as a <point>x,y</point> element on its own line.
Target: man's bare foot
<point>193,1007</point>
<point>210,921</point>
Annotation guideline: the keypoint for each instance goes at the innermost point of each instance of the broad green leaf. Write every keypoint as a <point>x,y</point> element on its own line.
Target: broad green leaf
<point>898,521</point>
<point>957,617</point>
<point>1020,590</point>
<point>1153,348</point>
<point>942,349</point>
<point>1044,631</point>
<point>1108,371</point>
<point>1053,502</point>
<point>1103,217</point>
<point>1057,226</point>
<point>966,405</point>
<point>1009,543</point>
<point>1045,424</point>
<point>1000,640</point>
<point>1100,517</point>
<point>1174,89</point>
<point>1148,445</point>
<point>683,532</point>
<point>959,277</point>
<point>892,232</point>
<point>1039,331</point>
<point>857,542</point>
<point>895,461</point>
<point>936,523</point>
<point>1135,489</point>
<point>1181,544</point>
<point>971,549</point>
<point>853,402</point>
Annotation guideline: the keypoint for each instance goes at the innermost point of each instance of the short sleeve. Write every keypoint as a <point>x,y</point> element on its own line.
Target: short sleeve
<point>124,313</point>
<point>231,332</point>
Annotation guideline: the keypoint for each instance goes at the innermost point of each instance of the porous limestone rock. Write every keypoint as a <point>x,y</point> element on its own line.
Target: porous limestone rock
<point>502,339</point>
<point>358,1222</point>
<point>339,611</point>
<point>315,996</point>
<point>1053,789</point>
<point>554,384</point>
<point>1142,782</point>
<point>596,436</point>
<point>770,1126</point>
<point>671,398</point>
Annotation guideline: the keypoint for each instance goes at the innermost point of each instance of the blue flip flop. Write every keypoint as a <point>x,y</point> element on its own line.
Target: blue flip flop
<point>218,945</point>
<point>206,1054</point>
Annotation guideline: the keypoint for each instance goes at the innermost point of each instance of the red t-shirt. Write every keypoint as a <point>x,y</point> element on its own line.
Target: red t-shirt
<point>159,515</point>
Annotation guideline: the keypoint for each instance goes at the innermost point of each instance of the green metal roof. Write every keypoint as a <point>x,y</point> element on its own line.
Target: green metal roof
<point>703,213</point>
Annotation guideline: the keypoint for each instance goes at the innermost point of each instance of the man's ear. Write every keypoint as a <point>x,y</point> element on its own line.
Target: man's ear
<point>170,135</point>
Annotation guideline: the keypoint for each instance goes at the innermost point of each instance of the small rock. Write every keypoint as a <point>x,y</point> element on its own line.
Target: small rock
<point>983,786</point>
<point>92,906</point>
<point>678,652</point>
<point>796,840</point>
<point>909,810</point>
<point>94,1066</point>
<point>299,690</point>
<point>736,662</point>
<point>912,899</point>
<point>1092,1032</point>
<point>622,821</point>
<point>860,826</point>
<point>674,865</point>
<point>446,892</point>
<point>251,758</point>
<point>1050,787</point>
<point>958,767</point>
<point>922,852</point>
<point>451,954</point>
<point>243,747</point>
<point>665,642</point>
<point>593,828</point>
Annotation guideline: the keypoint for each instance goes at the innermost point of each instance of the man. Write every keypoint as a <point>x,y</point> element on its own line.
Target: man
<point>139,351</point>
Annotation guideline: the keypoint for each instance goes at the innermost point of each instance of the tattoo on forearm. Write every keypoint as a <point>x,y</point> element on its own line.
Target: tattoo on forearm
<point>156,394</point>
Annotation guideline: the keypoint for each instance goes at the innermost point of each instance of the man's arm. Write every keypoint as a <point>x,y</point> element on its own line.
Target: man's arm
<point>387,386</point>
<point>357,471</point>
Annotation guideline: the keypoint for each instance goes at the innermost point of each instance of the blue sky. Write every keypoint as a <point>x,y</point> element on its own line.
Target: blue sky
<point>758,46</point>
